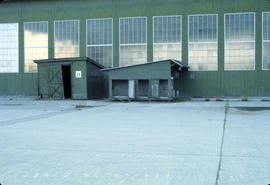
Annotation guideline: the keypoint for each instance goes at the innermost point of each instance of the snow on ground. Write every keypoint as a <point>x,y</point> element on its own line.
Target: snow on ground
<point>138,143</point>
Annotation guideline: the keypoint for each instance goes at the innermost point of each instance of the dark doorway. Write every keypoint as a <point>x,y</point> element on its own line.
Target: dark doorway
<point>66,81</point>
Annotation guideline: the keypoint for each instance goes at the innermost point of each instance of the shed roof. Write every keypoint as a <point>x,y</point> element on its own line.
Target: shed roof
<point>55,60</point>
<point>173,61</point>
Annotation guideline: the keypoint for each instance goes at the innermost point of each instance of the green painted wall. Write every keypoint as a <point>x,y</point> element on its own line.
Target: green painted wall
<point>221,83</point>
<point>152,71</point>
<point>94,82</point>
<point>159,70</point>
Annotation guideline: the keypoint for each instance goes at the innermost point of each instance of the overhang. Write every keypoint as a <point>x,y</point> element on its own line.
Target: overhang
<point>73,59</point>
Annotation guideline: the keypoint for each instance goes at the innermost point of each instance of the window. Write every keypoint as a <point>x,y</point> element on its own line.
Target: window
<point>167,37</point>
<point>266,40</point>
<point>66,39</point>
<point>239,41</point>
<point>9,47</point>
<point>99,41</point>
<point>35,44</point>
<point>203,42</point>
<point>133,42</point>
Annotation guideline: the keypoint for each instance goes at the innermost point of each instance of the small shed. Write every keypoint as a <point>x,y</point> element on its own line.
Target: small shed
<point>69,78</point>
<point>160,80</point>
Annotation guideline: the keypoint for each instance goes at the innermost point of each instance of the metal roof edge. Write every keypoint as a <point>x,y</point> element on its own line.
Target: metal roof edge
<point>148,63</point>
<point>69,60</point>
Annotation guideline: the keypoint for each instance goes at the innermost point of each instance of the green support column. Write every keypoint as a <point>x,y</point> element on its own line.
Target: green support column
<point>21,57</point>
<point>116,41</point>
<point>185,48</point>
<point>83,37</point>
<point>220,53</point>
<point>110,88</point>
<point>258,53</point>
<point>51,32</point>
<point>221,46</point>
<point>170,89</point>
<point>21,48</point>
<point>258,49</point>
<point>51,39</point>
<point>149,38</point>
<point>185,38</point>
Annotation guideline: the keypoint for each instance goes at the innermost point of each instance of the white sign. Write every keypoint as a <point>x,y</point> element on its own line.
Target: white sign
<point>78,74</point>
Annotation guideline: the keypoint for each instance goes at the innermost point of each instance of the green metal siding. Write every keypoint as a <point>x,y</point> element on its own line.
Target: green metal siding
<point>94,81</point>
<point>221,83</point>
<point>86,87</point>
<point>152,71</point>
<point>79,85</point>
<point>159,70</point>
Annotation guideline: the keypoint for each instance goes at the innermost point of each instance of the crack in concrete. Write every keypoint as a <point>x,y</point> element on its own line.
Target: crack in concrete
<point>35,117</point>
<point>222,142</point>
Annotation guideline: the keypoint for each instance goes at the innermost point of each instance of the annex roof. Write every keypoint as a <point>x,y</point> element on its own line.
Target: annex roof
<point>173,61</point>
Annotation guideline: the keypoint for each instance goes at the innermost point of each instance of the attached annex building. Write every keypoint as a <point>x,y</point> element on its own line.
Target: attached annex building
<point>226,44</point>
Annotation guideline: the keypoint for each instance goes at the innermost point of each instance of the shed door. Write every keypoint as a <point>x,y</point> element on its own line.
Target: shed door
<point>51,82</point>
<point>131,89</point>
<point>154,88</point>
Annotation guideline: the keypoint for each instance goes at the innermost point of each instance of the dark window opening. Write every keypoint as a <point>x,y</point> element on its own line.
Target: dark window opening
<point>163,88</point>
<point>143,88</point>
<point>120,87</point>
<point>66,73</point>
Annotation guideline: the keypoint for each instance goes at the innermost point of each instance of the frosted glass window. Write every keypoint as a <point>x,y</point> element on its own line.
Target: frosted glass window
<point>203,42</point>
<point>239,41</point>
<point>9,48</point>
<point>133,41</point>
<point>66,39</point>
<point>167,37</point>
<point>266,40</point>
<point>99,41</point>
<point>35,44</point>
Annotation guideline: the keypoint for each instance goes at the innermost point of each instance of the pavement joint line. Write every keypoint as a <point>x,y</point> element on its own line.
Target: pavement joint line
<point>41,116</point>
<point>222,142</point>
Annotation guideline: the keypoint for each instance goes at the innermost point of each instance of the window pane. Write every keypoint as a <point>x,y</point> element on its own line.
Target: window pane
<point>133,30</point>
<point>66,39</point>
<point>35,44</point>
<point>167,51</point>
<point>266,26</point>
<point>101,54</point>
<point>132,54</point>
<point>133,42</point>
<point>9,49</point>
<point>99,41</point>
<point>239,41</point>
<point>266,40</point>
<point>202,48</point>
<point>266,55</point>
<point>240,55</point>
<point>167,37</point>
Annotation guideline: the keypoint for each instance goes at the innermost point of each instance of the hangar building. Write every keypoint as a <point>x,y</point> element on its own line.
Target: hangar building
<point>225,43</point>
